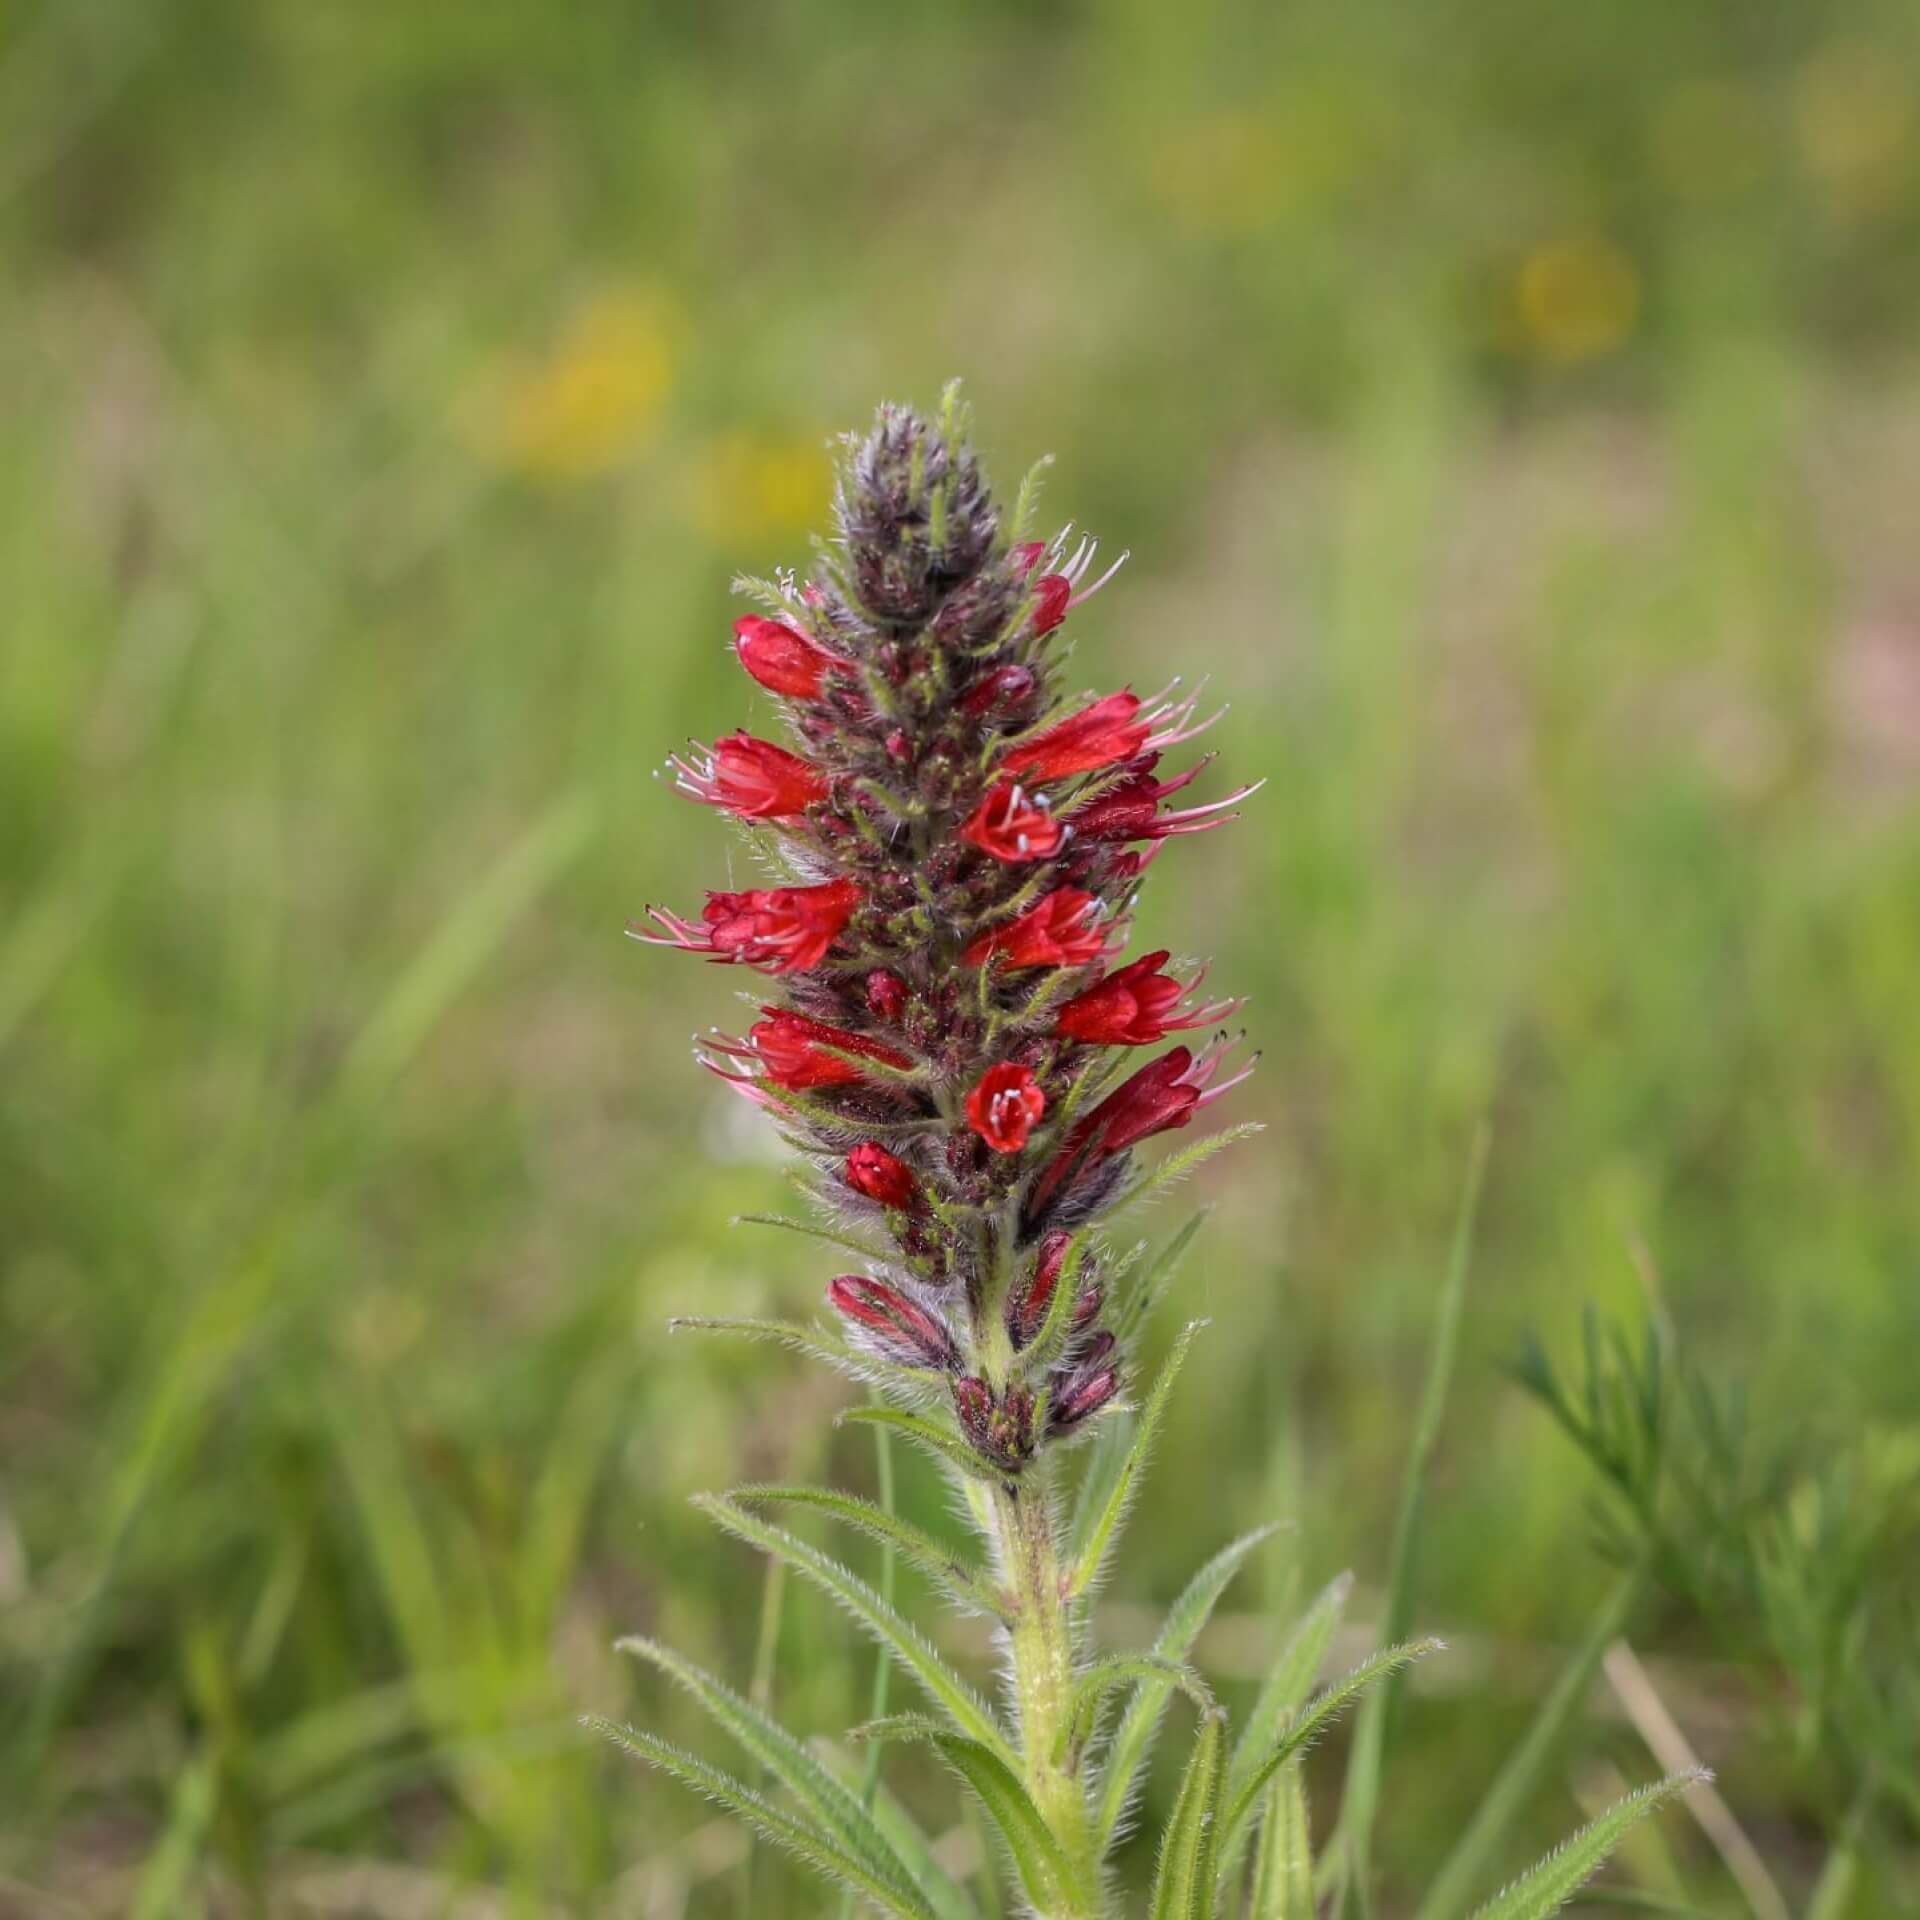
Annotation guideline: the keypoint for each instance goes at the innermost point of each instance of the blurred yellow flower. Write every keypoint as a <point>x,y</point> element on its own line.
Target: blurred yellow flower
<point>1576,299</point>
<point>595,398</point>
<point>745,486</point>
<point>1853,118</point>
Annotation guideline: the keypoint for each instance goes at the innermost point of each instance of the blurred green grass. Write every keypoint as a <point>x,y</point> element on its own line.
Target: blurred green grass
<point>1515,412</point>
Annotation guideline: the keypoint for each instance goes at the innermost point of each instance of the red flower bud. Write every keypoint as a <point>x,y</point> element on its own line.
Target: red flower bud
<point>1133,1007</point>
<point>781,658</point>
<point>886,995</point>
<point>1005,686</point>
<point>1051,593</point>
<point>1002,1109</point>
<point>1002,1432</point>
<point>792,1051</point>
<point>1009,826</point>
<point>1027,1306</point>
<point>1096,736</point>
<point>777,929</point>
<point>1059,930</point>
<point>899,1328</point>
<point>1026,556</point>
<point>1086,1387</point>
<point>750,777</point>
<point>882,1176</point>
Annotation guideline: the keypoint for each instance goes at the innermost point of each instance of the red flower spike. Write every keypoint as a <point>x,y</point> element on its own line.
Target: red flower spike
<point>782,659</point>
<point>1009,826</point>
<point>750,777</point>
<point>777,929</point>
<point>1003,1108</point>
<point>799,1054</point>
<point>901,1329</point>
<point>1134,1007</point>
<point>886,995</point>
<point>1052,593</point>
<point>882,1176</point>
<point>1027,1306</point>
<point>1096,736</point>
<point>1061,929</point>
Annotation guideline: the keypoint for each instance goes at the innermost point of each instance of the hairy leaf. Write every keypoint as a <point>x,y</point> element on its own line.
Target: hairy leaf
<point>1144,1295</point>
<point>1283,1864</point>
<point>1314,1720</point>
<point>1101,1535</point>
<point>1289,1681</point>
<point>948,1448</point>
<point>776,1750</point>
<point>883,1622</point>
<point>1100,1679</point>
<point>787,1333</point>
<point>1133,1739</point>
<point>1546,1888</point>
<point>913,1544</point>
<point>1177,1166</point>
<point>1183,1885</point>
<point>806,1843</point>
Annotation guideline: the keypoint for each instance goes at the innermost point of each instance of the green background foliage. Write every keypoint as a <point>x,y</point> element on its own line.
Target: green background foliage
<point>1514,410</point>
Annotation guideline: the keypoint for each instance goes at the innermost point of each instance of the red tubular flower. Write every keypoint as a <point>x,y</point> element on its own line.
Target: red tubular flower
<point>1165,1094</point>
<point>1096,736</point>
<point>1009,826</point>
<point>1130,809</point>
<point>797,1053</point>
<point>882,1176</point>
<point>777,929</point>
<point>1051,594</point>
<point>1135,1006</point>
<point>1003,1108</point>
<point>1061,929</point>
<point>781,658</point>
<point>750,777</point>
<point>902,1329</point>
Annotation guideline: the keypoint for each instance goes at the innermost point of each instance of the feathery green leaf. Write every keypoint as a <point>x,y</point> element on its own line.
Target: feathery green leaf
<point>1183,1886</point>
<point>948,1448</point>
<point>1283,1863</point>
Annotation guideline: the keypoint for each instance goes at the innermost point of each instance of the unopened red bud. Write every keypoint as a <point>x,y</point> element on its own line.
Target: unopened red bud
<point>1026,556</point>
<point>881,1176</point>
<point>1083,1394</point>
<point>902,1329</point>
<point>1027,1306</point>
<point>899,747</point>
<point>1087,1306</point>
<point>780,657</point>
<point>1052,594</point>
<point>886,995</point>
<point>1005,686</point>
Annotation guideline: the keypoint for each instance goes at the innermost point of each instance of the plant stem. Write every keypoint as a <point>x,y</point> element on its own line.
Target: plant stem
<point>1043,1641</point>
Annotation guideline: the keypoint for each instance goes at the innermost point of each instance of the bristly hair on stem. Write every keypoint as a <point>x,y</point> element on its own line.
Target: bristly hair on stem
<point>947,1034</point>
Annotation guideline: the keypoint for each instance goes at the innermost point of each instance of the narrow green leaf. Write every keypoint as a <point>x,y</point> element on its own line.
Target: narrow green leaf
<point>1283,1864</point>
<point>1100,1679</point>
<point>1287,1685</point>
<point>1145,1293</point>
<point>948,1448</point>
<point>1046,1874</point>
<point>913,1544</point>
<point>1526,1764</point>
<point>809,1230</point>
<point>763,1739</point>
<point>884,1623</point>
<point>1314,1720</point>
<point>1133,1738</point>
<point>1362,1796</point>
<point>806,1843</point>
<point>1546,1888</point>
<point>786,1333</point>
<point>1105,1457</point>
<point>1177,1166</point>
<point>1101,1535</point>
<point>904,1833</point>
<point>1183,1885</point>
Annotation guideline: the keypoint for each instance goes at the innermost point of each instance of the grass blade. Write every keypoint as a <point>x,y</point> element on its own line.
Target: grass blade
<point>1546,1888</point>
<point>1449,1891</point>
<point>1362,1796</point>
<point>883,1622</point>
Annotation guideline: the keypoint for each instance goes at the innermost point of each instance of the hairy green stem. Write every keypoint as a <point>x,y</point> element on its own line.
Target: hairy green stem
<point>1043,1642</point>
